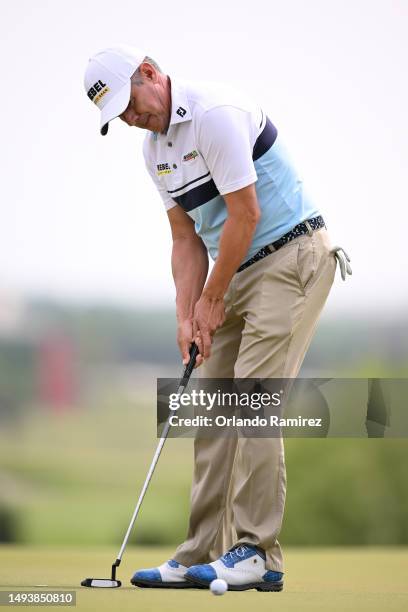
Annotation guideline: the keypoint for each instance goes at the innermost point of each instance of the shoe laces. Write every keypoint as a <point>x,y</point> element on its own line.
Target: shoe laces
<point>235,554</point>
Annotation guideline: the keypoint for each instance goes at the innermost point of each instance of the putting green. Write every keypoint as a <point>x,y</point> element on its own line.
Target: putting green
<point>335,579</point>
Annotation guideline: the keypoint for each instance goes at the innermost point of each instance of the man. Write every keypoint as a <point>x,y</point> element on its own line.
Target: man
<point>229,189</point>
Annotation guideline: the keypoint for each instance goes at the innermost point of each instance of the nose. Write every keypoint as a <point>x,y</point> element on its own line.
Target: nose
<point>129,116</point>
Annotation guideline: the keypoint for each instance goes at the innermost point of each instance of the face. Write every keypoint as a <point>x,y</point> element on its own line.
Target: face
<point>149,104</point>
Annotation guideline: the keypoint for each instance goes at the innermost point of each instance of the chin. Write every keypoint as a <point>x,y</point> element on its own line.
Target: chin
<point>154,126</point>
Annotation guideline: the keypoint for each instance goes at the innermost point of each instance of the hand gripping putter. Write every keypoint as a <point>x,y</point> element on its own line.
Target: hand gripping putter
<point>112,582</point>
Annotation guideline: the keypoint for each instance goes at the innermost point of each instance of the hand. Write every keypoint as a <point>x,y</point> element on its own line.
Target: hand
<point>209,315</point>
<point>184,341</point>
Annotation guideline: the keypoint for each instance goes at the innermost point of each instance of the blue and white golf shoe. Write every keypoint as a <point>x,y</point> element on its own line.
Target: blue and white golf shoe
<point>242,568</point>
<point>168,575</point>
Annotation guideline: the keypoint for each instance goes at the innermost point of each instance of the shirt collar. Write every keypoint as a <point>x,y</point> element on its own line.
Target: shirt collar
<point>180,109</point>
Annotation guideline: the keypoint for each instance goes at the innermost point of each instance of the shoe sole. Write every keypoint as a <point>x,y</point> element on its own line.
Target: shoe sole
<point>266,587</point>
<point>146,584</point>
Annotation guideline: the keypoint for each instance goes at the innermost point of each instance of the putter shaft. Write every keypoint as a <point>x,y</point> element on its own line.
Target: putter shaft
<point>183,383</point>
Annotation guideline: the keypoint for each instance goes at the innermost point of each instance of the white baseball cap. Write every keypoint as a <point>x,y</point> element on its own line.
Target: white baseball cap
<point>107,80</point>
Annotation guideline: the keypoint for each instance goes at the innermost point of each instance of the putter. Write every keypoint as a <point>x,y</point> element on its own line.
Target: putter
<point>112,582</point>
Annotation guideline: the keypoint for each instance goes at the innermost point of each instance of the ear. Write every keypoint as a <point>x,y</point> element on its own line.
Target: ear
<point>148,72</point>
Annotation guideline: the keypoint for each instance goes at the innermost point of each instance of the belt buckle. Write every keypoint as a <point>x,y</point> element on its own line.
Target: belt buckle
<point>309,227</point>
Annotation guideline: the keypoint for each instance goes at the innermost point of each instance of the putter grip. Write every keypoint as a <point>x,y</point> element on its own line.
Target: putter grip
<point>190,366</point>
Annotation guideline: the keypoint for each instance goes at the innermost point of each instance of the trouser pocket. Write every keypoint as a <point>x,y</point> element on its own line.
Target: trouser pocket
<point>306,262</point>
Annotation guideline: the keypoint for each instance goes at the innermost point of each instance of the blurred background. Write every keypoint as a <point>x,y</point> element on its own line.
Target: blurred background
<point>87,319</point>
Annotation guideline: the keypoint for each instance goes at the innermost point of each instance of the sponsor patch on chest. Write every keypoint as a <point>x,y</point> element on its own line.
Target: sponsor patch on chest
<point>190,156</point>
<point>163,169</point>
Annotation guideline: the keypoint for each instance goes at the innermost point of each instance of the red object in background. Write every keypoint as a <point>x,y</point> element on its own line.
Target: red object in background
<point>56,372</point>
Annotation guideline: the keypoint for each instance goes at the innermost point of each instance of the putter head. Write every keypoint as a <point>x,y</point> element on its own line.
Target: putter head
<point>101,583</point>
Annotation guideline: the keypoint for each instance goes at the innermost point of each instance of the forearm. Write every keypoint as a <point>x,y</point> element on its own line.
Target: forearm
<point>234,243</point>
<point>190,267</point>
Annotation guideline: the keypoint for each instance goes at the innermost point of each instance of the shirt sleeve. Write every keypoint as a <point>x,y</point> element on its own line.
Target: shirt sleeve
<point>225,138</point>
<point>167,200</point>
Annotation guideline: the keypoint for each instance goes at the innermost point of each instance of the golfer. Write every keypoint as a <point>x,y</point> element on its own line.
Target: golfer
<point>230,191</point>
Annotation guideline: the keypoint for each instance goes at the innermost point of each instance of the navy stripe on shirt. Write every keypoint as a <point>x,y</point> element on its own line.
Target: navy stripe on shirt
<point>190,183</point>
<point>265,140</point>
<point>197,196</point>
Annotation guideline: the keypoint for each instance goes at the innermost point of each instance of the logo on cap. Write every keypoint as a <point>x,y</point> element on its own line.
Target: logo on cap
<point>97,91</point>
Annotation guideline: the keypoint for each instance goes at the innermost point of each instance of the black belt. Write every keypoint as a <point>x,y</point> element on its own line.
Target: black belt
<point>306,227</point>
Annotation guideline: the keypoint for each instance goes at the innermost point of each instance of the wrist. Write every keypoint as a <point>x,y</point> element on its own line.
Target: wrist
<point>212,295</point>
<point>183,318</point>
<point>217,285</point>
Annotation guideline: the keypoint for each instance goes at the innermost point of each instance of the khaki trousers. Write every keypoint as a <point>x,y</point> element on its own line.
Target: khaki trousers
<point>239,484</point>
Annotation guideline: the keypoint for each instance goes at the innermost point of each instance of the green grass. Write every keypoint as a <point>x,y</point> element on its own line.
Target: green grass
<point>334,579</point>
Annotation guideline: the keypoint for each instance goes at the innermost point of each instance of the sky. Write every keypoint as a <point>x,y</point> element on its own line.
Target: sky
<point>80,218</point>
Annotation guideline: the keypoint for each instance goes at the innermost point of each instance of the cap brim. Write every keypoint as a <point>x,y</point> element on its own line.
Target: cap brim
<point>115,107</point>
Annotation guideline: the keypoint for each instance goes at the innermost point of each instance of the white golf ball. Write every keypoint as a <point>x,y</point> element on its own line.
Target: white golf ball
<point>218,586</point>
